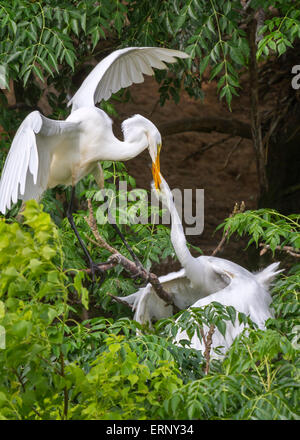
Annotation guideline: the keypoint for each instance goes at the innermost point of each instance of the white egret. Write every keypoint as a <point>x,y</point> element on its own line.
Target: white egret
<point>45,152</point>
<point>203,280</point>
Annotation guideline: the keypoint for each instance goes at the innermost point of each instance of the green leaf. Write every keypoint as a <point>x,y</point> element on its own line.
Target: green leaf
<point>74,26</point>
<point>217,69</point>
<point>38,72</point>
<point>281,48</point>
<point>21,329</point>
<point>69,56</point>
<point>204,64</point>
<point>210,25</point>
<point>44,64</point>
<point>179,22</point>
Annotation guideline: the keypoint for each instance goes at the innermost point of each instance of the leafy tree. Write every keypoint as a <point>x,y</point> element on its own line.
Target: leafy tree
<point>56,366</point>
<point>55,41</point>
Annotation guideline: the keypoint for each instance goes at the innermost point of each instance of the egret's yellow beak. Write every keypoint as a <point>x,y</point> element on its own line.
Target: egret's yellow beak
<point>156,169</point>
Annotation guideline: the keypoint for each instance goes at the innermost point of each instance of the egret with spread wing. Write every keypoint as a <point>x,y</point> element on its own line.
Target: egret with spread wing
<point>203,280</point>
<point>45,153</point>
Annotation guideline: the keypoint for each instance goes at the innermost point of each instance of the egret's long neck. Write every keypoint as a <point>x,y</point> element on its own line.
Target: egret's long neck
<point>131,147</point>
<point>190,263</point>
<point>197,270</point>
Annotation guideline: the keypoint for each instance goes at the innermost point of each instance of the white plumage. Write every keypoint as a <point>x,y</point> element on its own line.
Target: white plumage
<point>45,152</point>
<point>202,281</point>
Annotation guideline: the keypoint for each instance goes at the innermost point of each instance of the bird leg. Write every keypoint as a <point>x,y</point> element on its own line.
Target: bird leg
<point>93,266</point>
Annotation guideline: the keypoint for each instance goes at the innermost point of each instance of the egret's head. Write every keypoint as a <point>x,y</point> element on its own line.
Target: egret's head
<point>154,147</point>
<point>136,126</point>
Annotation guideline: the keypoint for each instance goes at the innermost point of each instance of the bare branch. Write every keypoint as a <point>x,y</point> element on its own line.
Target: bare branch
<point>119,300</point>
<point>207,147</point>
<point>66,397</point>
<point>235,147</point>
<point>288,249</point>
<point>236,210</point>
<point>207,343</point>
<point>91,221</point>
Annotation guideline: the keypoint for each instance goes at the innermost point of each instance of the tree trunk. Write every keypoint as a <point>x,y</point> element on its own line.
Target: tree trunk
<point>283,166</point>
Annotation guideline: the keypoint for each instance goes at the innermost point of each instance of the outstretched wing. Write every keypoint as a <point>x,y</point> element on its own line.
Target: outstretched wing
<point>147,305</point>
<point>25,162</point>
<point>119,70</point>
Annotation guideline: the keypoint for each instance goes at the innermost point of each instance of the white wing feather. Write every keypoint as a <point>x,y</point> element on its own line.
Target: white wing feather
<point>25,157</point>
<point>120,69</point>
<point>147,305</point>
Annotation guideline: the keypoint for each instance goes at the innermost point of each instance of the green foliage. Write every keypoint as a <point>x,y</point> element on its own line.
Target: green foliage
<point>279,33</point>
<point>36,37</point>
<point>53,365</point>
<point>48,40</point>
<point>118,386</point>
<point>194,320</point>
<point>48,353</point>
<point>267,226</point>
<point>259,380</point>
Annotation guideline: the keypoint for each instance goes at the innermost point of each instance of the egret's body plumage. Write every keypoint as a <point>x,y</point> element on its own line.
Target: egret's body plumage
<point>45,152</point>
<point>204,280</point>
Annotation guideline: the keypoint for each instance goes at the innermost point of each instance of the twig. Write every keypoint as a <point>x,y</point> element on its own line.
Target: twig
<point>91,221</point>
<point>246,4</point>
<point>288,249</point>
<point>260,17</point>
<point>103,266</point>
<point>119,300</point>
<point>154,108</point>
<point>207,147</point>
<point>221,244</point>
<point>236,210</point>
<point>62,373</point>
<point>207,343</point>
<point>235,147</point>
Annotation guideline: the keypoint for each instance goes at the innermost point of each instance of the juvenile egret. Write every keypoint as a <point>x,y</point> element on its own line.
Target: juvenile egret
<point>203,280</point>
<point>45,152</point>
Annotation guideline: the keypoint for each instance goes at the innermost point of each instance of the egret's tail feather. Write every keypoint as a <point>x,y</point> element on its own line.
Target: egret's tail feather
<point>267,275</point>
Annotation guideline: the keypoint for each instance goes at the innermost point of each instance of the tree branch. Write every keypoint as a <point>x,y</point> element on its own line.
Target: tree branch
<point>207,343</point>
<point>288,249</point>
<point>235,147</point>
<point>236,210</point>
<point>129,266</point>
<point>256,128</point>
<point>66,398</point>
<point>206,147</point>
